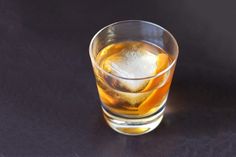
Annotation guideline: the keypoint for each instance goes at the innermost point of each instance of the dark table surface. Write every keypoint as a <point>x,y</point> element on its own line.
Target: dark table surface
<point>49,104</point>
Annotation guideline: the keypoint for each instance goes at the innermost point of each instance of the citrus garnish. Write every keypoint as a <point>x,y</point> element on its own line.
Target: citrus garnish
<point>162,63</point>
<point>159,93</point>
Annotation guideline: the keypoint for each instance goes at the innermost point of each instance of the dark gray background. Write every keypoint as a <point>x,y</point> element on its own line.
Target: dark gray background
<point>48,100</point>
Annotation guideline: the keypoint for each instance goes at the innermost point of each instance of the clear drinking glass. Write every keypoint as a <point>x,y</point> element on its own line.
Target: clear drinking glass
<point>133,62</point>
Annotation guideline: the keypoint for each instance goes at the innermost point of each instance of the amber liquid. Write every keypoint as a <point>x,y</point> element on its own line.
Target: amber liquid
<point>122,87</point>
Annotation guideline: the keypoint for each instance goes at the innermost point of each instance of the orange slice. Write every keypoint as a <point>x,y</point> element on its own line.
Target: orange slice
<point>154,100</point>
<point>159,94</point>
<point>162,63</point>
<point>106,99</point>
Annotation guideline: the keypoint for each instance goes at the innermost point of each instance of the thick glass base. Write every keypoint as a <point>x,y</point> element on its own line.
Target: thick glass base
<point>133,126</point>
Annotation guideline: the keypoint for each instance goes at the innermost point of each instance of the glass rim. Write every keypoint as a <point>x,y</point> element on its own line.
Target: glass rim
<point>138,78</point>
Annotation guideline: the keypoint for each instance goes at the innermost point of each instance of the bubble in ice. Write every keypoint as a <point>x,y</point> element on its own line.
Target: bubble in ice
<point>132,63</point>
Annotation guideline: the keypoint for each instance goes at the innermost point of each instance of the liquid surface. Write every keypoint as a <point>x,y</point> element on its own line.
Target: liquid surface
<point>128,94</point>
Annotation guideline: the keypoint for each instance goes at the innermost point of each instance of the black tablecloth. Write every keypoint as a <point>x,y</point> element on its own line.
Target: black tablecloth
<point>49,104</point>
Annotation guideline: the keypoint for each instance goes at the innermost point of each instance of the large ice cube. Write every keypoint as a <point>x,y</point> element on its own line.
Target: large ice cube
<point>132,63</point>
